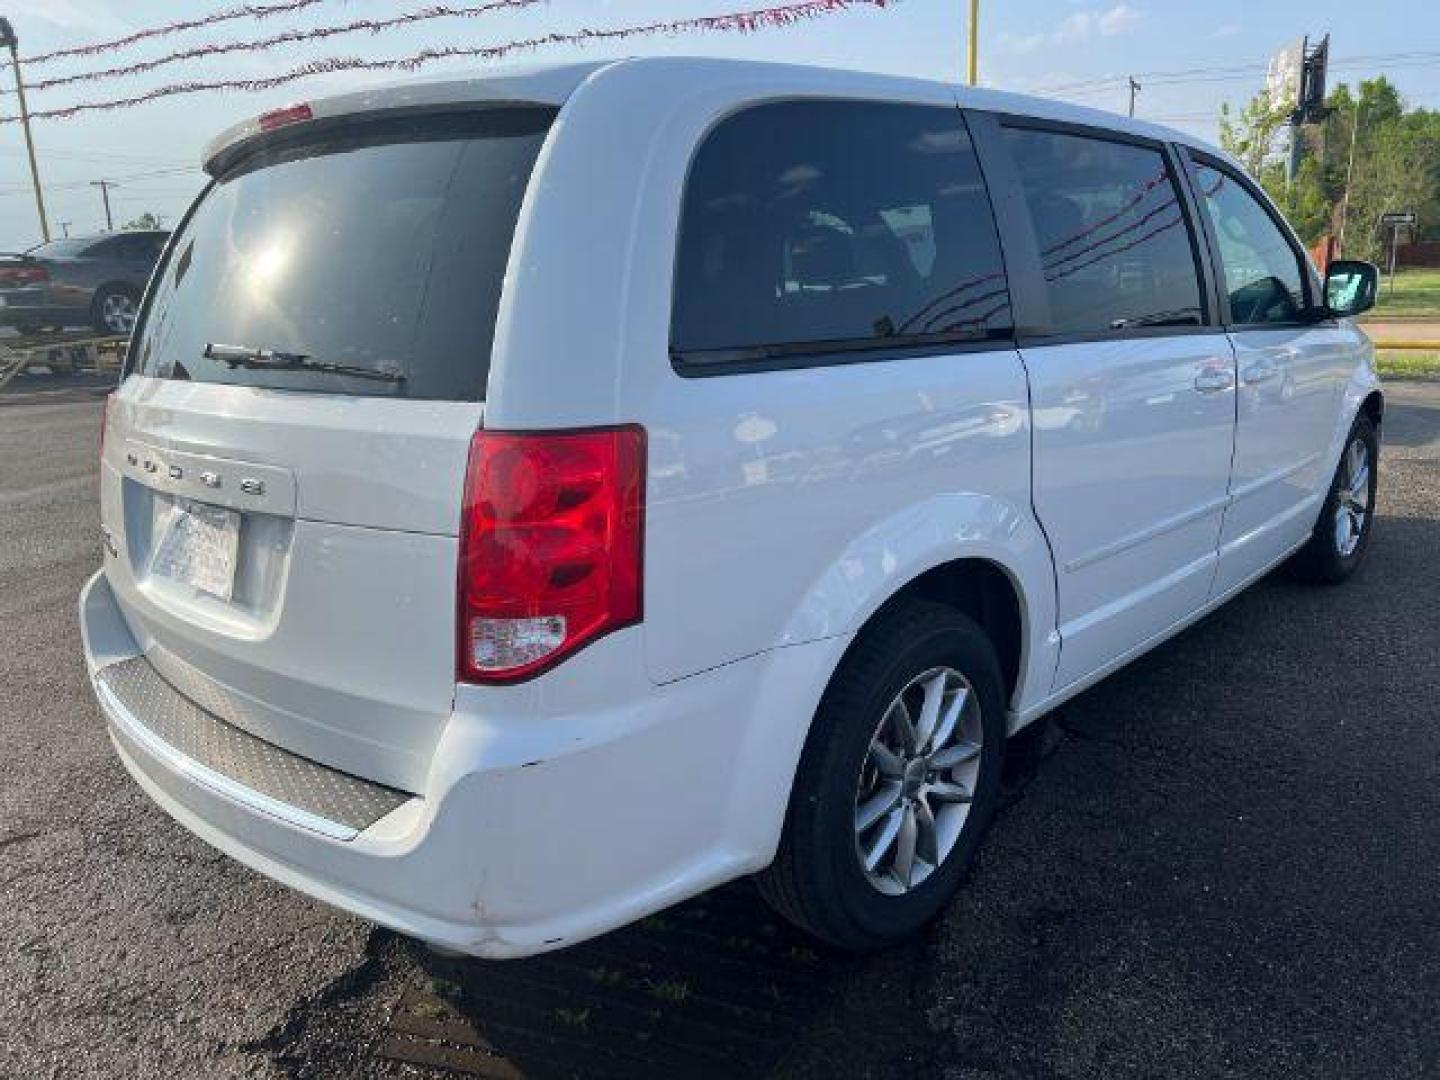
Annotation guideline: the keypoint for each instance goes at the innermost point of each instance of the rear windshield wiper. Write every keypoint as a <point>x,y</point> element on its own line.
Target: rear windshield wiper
<point>247,356</point>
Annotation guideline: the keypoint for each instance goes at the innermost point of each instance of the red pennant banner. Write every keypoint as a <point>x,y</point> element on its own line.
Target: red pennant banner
<point>741,22</point>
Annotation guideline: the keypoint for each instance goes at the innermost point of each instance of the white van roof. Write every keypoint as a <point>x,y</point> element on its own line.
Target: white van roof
<point>553,84</point>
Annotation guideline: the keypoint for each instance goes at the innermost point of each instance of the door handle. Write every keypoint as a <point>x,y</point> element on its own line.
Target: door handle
<point>1214,379</point>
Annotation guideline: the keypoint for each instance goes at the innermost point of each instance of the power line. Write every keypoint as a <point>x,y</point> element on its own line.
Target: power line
<point>1225,72</point>
<point>730,22</point>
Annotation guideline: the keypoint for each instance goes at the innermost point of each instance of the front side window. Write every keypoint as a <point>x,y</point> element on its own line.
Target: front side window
<point>1262,272</point>
<point>1114,244</point>
<point>810,226</point>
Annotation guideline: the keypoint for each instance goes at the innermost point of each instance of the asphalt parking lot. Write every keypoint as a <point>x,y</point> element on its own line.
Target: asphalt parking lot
<point>1222,862</point>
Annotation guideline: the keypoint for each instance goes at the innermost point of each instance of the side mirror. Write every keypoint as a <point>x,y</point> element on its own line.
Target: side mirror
<point>1351,287</point>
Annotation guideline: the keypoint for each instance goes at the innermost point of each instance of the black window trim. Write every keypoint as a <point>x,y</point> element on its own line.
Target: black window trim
<point>1021,249</point>
<point>799,355</point>
<point>1312,315</point>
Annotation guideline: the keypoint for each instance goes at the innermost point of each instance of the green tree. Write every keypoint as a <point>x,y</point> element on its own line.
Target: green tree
<point>1250,136</point>
<point>1370,156</point>
<point>146,220</point>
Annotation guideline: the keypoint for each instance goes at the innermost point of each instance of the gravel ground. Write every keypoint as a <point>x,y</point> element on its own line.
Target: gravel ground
<point>1220,862</point>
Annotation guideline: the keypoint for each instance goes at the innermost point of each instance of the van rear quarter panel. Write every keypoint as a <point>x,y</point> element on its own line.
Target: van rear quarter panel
<point>783,506</point>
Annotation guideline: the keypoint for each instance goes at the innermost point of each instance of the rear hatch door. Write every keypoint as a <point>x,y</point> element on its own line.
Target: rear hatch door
<point>284,462</point>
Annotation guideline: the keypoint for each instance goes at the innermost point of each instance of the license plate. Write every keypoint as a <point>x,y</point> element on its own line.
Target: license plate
<point>198,545</point>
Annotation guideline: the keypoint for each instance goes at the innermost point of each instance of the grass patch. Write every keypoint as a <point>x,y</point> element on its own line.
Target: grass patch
<point>1401,363</point>
<point>1417,294</point>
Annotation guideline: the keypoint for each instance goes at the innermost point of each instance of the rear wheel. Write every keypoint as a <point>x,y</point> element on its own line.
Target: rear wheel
<point>115,309</point>
<point>1342,534</point>
<point>897,783</point>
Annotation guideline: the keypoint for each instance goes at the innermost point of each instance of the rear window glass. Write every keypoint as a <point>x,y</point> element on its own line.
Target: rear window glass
<point>62,249</point>
<point>816,225</point>
<point>1113,238</point>
<point>378,246</point>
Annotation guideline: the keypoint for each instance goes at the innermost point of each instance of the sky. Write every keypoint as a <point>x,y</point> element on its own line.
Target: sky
<point>1057,48</point>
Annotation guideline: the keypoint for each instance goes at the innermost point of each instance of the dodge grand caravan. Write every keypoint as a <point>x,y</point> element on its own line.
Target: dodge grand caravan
<point>532,500</point>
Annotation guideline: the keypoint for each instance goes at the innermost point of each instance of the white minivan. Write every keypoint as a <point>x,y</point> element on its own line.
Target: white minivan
<point>532,500</point>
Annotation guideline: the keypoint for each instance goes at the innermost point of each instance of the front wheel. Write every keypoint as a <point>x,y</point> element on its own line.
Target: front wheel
<point>897,783</point>
<point>1342,534</point>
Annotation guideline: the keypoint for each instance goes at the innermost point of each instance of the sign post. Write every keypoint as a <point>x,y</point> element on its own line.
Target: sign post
<point>1395,222</point>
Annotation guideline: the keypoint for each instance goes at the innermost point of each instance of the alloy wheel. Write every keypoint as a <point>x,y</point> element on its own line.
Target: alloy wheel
<point>918,780</point>
<point>1352,509</point>
<point>117,311</point>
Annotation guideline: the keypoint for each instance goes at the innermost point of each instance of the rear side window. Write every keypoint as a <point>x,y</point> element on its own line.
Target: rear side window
<point>379,245</point>
<point>1114,245</point>
<point>818,226</point>
<point>1262,271</point>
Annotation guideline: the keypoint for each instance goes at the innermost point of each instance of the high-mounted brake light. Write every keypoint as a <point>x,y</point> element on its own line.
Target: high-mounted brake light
<point>291,114</point>
<point>551,535</point>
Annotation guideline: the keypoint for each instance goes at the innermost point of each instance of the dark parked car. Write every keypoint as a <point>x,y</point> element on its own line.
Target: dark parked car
<point>92,281</point>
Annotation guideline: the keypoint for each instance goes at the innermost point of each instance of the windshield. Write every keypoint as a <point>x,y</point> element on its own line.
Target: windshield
<point>381,247</point>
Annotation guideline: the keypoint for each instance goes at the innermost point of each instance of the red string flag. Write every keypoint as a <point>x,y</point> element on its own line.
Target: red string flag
<point>289,37</point>
<point>742,22</point>
<point>244,11</point>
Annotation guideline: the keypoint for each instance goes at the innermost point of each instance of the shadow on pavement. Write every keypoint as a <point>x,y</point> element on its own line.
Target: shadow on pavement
<point>715,987</point>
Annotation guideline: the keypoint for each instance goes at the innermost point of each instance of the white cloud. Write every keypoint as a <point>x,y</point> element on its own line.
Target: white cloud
<point>1120,19</point>
<point>1078,26</point>
<point>1226,30</point>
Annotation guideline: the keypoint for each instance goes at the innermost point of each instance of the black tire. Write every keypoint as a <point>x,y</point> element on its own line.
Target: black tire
<point>817,881</point>
<point>1322,561</point>
<point>108,293</point>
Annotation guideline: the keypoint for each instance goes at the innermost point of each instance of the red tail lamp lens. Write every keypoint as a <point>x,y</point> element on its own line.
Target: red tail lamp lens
<point>551,537</point>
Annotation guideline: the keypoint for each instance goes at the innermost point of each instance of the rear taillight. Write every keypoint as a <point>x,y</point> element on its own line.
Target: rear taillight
<point>551,536</point>
<point>23,275</point>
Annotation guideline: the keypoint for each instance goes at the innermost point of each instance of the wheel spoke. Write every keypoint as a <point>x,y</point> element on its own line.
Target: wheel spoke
<point>884,840</point>
<point>1360,486</point>
<point>928,841</point>
<point>930,710</point>
<point>950,791</point>
<point>887,763</point>
<point>950,721</point>
<point>905,842</point>
<point>904,728</point>
<point>877,806</point>
<point>955,755</point>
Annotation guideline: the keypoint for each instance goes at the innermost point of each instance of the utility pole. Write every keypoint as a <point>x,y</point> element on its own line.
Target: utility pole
<point>9,40</point>
<point>105,186</point>
<point>65,228</point>
<point>1134,89</point>
<point>972,53</point>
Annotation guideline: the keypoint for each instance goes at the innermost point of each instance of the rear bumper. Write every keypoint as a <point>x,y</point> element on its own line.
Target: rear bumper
<point>541,823</point>
<point>39,305</point>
